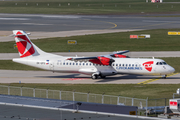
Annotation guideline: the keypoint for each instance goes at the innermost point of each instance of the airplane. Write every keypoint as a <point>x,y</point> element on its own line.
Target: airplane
<point>98,66</point>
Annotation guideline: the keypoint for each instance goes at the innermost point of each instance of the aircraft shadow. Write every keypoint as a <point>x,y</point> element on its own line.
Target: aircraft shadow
<point>134,77</point>
<point>64,76</point>
<point>108,78</point>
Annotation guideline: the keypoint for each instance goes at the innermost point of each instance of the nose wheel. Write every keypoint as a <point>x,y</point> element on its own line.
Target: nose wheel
<point>94,77</point>
<point>164,76</point>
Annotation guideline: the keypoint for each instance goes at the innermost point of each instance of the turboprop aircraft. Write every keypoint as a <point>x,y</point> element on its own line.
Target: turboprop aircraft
<point>99,66</point>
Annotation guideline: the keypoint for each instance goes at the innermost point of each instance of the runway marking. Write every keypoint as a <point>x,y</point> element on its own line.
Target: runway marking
<point>14,19</point>
<point>115,25</point>
<point>155,79</point>
<point>35,24</point>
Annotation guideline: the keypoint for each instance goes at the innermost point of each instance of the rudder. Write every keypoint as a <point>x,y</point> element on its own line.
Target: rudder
<point>24,44</point>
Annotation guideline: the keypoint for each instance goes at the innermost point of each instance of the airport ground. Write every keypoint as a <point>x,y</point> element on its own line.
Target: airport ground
<point>16,76</point>
<point>63,23</point>
<point>81,7</point>
<point>43,26</point>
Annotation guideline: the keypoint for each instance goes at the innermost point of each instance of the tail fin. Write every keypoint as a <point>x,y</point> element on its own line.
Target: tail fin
<point>25,46</point>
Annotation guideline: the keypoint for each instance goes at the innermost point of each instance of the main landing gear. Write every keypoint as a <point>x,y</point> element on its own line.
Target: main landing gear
<point>97,75</point>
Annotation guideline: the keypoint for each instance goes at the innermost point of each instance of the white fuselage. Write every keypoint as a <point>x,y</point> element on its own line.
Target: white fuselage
<point>57,63</point>
<point>105,65</point>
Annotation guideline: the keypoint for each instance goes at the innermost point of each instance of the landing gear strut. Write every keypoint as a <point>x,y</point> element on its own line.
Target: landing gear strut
<point>96,75</point>
<point>164,76</point>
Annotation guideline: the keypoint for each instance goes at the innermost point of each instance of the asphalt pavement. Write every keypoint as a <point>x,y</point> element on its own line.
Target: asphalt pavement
<point>43,26</point>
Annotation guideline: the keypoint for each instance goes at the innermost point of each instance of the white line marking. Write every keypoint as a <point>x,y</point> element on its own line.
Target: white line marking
<point>35,24</point>
<point>159,21</point>
<point>14,18</point>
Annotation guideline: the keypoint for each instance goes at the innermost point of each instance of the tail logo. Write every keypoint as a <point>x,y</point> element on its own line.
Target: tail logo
<point>148,65</point>
<point>25,47</point>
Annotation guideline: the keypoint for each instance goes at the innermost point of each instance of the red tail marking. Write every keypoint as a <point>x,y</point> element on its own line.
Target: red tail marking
<point>18,33</point>
<point>148,65</point>
<point>21,46</point>
<point>25,47</point>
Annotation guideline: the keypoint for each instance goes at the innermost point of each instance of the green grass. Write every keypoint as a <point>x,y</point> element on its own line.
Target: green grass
<point>10,65</point>
<point>86,7</point>
<point>159,41</point>
<point>151,91</point>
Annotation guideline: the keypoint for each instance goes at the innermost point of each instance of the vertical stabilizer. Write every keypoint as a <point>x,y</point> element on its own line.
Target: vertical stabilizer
<point>25,46</point>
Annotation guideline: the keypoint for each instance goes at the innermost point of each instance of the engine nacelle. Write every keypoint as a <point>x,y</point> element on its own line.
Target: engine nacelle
<point>102,61</point>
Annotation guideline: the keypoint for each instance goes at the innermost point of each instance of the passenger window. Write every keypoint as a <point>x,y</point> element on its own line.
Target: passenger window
<point>119,64</point>
<point>160,63</point>
<point>133,65</point>
<point>90,64</point>
<point>79,63</point>
<point>63,63</point>
<point>129,65</point>
<point>123,65</point>
<point>116,64</point>
<point>66,63</point>
<point>86,63</point>
<point>76,63</point>
<point>112,64</point>
<point>73,63</point>
<point>69,63</point>
<point>83,64</point>
<point>126,64</point>
<point>157,63</point>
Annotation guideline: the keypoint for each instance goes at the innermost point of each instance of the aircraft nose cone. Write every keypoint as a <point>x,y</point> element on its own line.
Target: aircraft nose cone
<point>171,69</point>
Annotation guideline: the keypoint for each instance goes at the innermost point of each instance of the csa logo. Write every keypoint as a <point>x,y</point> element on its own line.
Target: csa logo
<point>25,47</point>
<point>148,65</point>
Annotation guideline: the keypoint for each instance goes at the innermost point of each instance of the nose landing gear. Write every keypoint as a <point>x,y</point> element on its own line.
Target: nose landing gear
<point>96,75</point>
<point>164,76</point>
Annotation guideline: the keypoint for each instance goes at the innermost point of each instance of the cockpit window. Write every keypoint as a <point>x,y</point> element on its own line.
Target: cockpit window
<point>161,63</point>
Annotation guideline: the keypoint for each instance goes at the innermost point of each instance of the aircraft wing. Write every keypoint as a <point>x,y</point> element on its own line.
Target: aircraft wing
<point>101,59</point>
<point>118,54</point>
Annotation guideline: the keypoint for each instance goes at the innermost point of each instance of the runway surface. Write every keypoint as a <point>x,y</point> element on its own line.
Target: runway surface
<point>54,23</point>
<point>43,26</point>
<point>17,76</point>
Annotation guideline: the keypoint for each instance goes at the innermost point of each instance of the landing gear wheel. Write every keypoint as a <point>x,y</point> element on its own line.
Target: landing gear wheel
<point>164,76</point>
<point>94,76</point>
